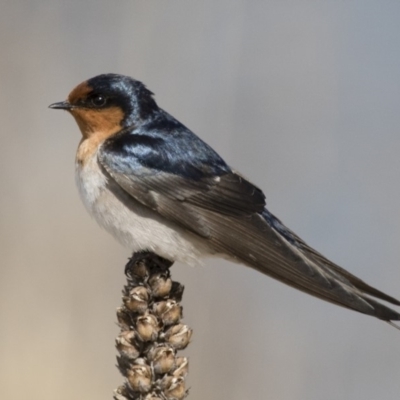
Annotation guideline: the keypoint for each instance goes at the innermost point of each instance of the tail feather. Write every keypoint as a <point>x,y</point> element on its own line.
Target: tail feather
<point>382,312</point>
<point>364,287</point>
<point>266,245</point>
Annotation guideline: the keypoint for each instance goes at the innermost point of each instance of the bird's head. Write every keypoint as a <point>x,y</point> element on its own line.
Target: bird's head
<point>108,103</point>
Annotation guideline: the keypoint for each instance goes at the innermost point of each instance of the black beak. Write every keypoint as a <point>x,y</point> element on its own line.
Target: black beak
<point>62,105</point>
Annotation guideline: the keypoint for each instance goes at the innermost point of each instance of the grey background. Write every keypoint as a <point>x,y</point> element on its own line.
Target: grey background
<point>300,96</point>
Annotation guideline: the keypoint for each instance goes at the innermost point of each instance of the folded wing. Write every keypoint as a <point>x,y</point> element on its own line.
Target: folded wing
<point>229,212</point>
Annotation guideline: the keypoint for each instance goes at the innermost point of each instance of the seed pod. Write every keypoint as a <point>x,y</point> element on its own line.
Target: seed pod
<point>178,336</point>
<point>147,327</point>
<point>152,396</point>
<point>139,378</point>
<point>174,388</point>
<point>170,312</point>
<point>162,358</point>
<point>137,300</point>
<point>160,284</point>
<point>120,393</point>
<point>140,361</point>
<point>126,345</point>
<point>118,396</point>
<point>181,367</point>
<point>159,307</point>
<point>124,321</point>
<point>176,291</point>
<point>138,271</point>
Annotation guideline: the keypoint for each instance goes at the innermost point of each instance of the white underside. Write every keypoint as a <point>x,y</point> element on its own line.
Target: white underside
<point>136,226</point>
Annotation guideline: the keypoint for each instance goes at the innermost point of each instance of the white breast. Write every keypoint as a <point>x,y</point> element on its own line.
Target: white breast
<point>132,224</point>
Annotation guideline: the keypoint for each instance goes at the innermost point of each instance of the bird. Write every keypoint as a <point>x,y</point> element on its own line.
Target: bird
<point>157,187</point>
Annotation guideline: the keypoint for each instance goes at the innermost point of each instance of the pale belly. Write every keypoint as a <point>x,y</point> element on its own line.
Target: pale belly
<point>132,224</point>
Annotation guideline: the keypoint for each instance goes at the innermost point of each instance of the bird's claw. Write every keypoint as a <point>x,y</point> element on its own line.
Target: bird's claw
<point>151,260</point>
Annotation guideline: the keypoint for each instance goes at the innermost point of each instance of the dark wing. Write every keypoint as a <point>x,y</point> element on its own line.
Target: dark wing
<point>229,212</point>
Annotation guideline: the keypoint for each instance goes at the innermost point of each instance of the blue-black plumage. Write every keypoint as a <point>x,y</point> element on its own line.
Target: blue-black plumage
<point>158,187</point>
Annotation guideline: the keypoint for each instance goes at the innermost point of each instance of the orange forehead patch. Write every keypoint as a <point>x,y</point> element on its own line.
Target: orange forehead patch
<point>80,92</point>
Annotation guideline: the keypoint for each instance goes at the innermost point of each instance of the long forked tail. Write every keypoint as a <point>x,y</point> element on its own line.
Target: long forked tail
<point>393,324</point>
<point>262,242</point>
<point>358,288</point>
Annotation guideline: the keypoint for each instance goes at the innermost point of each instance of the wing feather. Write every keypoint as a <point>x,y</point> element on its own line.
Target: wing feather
<point>229,212</point>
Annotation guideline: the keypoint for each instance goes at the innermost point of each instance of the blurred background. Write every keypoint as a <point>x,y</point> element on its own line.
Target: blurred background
<point>300,96</point>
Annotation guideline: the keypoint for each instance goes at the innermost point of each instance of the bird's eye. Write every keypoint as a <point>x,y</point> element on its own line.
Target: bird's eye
<point>98,100</point>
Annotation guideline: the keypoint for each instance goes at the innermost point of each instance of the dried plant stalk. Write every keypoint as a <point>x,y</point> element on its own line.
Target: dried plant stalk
<point>151,332</point>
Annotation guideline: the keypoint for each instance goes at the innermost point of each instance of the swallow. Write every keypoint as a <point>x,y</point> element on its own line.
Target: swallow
<point>157,187</point>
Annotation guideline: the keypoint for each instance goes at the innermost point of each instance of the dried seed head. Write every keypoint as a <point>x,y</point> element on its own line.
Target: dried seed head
<point>162,358</point>
<point>120,394</point>
<point>176,291</point>
<point>159,307</point>
<point>123,319</point>
<point>178,336</point>
<point>137,300</point>
<point>151,333</point>
<point>147,327</point>
<point>174,388</point>
<point>152,396</point>
<point>140,361</point>
<point>139,378</point>
<point>126,345</point>
<point>170,312</point>
<point>181,367</point>
<point>160,284</point>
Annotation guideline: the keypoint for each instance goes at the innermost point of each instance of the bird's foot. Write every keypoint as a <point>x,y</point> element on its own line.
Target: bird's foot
<point>146,259</point>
